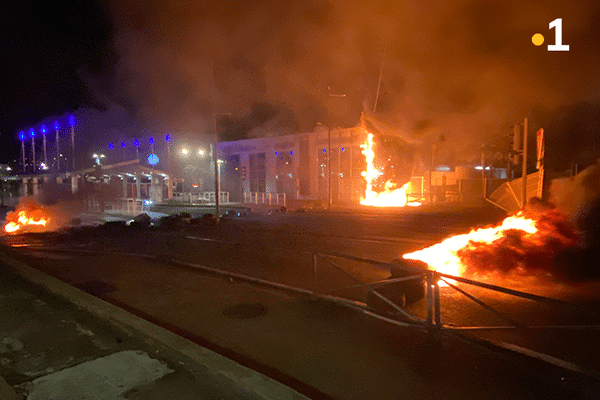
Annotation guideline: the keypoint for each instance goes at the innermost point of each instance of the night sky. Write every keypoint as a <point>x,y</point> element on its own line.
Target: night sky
<point>466,70</point>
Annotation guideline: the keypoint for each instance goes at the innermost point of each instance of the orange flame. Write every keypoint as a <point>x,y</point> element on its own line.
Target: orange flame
<point>24,220</point>
<point>390,197</point>
<point>445,257</point>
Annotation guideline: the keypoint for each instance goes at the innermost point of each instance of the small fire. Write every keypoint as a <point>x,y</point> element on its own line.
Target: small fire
<point>391,196</point>
<point>521,243</point>
<point>24,218</point>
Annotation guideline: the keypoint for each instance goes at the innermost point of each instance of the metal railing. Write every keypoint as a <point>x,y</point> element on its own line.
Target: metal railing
<point>271,199</point>
<point>124,206</point>
<point>201,198</point>
<point>432,295</point>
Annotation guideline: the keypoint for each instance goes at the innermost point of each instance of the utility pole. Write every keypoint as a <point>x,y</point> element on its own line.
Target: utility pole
<point>329,200</point>
<point>216,164</point>
<point>524,187</point>
<point>56,126</point>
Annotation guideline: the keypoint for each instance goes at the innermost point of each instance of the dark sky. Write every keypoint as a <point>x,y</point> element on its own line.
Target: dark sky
<point>464,69</point>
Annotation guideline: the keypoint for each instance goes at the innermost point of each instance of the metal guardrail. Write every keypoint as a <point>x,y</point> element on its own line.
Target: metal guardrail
<point>432,295</point>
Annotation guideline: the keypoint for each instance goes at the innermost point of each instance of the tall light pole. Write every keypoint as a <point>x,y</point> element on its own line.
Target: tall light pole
<point>22,139</point>
<point>72,123</point>
<point>44,141</point>
<point>56,126</point>
<point>136,143</point>
<point>123,149</point>
<point>329,153</point>
<point>32,134</point>
<point>168,140</point>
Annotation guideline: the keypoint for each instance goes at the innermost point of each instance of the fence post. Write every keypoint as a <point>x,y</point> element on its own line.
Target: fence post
<point>429,294</point>
<point>436,301</point>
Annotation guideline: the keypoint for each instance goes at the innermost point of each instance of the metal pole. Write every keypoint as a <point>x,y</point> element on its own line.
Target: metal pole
<point>329,167</point>
<point>73,146</point>
<point>216,162</point>
<point>429,295</point>
<point>524,199</point>
<point>45,157</point>
<point>23,153</point>
<point>33,151</point>
<point>57,153</point>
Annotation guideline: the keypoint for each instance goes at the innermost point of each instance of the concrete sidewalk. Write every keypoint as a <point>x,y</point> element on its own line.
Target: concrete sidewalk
<point>57,342</point>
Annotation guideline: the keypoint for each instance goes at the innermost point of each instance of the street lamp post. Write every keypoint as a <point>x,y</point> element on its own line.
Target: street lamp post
<point>32,134</point>
<point>329,200</point>
<point>136,143</point>
<point>22,139</point>
<point>57,147</point>
<point>72,123</point>
<point>44,141</point>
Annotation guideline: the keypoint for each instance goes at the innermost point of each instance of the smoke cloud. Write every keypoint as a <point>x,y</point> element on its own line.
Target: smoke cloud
<point>465,69</point>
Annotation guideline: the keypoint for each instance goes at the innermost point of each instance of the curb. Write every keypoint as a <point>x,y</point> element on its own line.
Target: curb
<point>249,380</point>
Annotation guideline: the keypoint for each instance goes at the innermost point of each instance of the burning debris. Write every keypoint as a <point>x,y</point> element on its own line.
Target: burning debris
<point>28,216</point>
<point>524,243</point>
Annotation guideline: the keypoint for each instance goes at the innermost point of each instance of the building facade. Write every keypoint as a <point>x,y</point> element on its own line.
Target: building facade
<point>295,165</point>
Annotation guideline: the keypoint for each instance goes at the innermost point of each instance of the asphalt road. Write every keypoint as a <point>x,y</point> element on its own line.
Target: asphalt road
<point>334,351</point>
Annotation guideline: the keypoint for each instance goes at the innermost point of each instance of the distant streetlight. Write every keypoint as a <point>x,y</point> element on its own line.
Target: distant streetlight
<point>44,141</point>
<point>200,152</point>
<point>136,143</point>
<point>123,149</point>
<point>32,134</point>
<point>98,158</point>
<point>72,123</point>
<point>22,139</point>
<point>185,152</point>
<point>56,126</point>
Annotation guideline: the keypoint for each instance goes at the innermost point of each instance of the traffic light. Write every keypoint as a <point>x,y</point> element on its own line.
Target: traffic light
<point>243,173</point>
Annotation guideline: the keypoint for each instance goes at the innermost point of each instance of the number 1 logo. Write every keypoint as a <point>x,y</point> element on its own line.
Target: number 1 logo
<point>558,46</point>
<point>538,38</point>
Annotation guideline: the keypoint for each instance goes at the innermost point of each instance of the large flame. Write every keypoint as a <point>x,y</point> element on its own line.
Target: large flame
<point>391,196</point>
<point>520,243</point>
<point>25,218</point>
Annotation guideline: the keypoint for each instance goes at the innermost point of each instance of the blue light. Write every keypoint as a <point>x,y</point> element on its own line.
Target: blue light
<point>43,128</point>
<point>324,151</point>
<point>151,140</point>
<point>343,148</point>
<point>32,132</point>
<point>22,135</point>
<point>72,120</point>
<point>136,143</point>
<point>292,152</point>
<point>56,126</point>
<point>168,138</point>
<point>110,146</point>
<point>152,159</point>
<point>123,144</point>
<point>276,153</point>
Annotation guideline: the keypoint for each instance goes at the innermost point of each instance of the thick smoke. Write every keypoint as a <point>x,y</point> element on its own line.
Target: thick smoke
<point>464,70</point>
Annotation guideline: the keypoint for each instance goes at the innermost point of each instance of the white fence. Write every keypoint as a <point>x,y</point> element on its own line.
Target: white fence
<point>265,198</point>
<point>201,198</point>
<point>123,206</point>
